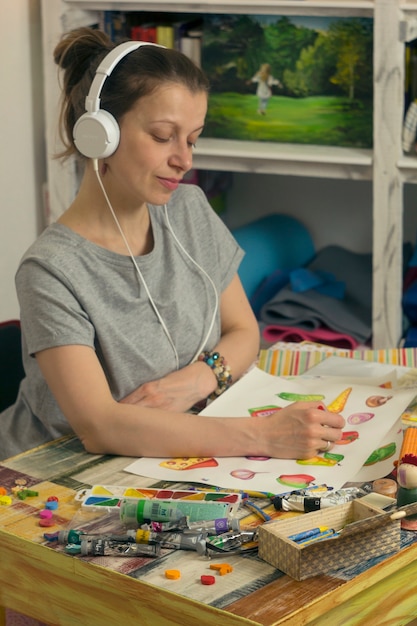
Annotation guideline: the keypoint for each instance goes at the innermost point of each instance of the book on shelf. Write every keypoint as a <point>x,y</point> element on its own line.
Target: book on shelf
<point>409,130</point>
<point>165,35</point>
<point>184,34</point>
<point>144,32</point>
<point>114,24</point>
<point>188,37</point>
<point>410,73</point>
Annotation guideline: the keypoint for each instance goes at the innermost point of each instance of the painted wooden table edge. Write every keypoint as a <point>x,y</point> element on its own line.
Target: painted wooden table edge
<point>341,602</point>
<point>43,579</point>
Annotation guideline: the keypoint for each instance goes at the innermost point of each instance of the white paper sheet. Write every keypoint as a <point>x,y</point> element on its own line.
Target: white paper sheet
<point>258,389</point>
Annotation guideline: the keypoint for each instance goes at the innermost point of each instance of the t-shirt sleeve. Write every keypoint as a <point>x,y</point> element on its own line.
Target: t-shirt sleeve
<point>51,315</point>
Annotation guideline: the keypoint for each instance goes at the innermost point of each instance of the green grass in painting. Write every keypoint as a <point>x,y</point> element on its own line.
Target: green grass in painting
<point>321,120</point>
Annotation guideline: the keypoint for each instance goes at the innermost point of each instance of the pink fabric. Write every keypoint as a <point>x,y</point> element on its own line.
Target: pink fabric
<point>274,333</point>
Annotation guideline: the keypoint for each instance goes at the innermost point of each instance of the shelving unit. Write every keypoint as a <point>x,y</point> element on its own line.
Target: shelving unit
<point>395,22</point>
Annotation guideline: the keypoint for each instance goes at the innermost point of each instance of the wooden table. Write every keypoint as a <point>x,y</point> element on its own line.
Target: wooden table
<point>61,589</point>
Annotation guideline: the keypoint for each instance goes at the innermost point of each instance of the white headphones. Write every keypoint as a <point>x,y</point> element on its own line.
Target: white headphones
<point>96,133</point>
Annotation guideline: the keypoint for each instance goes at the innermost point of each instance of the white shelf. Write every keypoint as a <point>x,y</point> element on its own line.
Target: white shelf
<point>394,22</point>
<point>408,6</point>
<point>358,8</point>
<point>408,168</point>
<point>290,159</point>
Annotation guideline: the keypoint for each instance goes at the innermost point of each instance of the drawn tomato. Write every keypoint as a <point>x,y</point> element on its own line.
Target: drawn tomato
<point>299,481</point>
<point>347,437</point>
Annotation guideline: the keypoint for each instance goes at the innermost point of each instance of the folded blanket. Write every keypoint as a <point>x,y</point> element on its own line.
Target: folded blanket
<point>274,333</point>
<point>311,310</point>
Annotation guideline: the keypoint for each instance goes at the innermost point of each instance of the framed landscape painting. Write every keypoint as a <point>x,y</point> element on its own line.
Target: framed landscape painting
<point>289,79</point>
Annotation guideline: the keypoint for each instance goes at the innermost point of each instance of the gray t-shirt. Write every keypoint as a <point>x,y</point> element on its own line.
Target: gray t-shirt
<point>72,291</point>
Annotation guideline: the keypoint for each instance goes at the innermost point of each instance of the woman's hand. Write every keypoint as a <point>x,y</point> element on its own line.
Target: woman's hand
<point>299,431</point>
<point>178,391</point>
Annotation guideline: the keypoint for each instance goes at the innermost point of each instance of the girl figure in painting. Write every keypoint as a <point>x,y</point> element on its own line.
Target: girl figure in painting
<point>132,310</point>
<point>265,81</point>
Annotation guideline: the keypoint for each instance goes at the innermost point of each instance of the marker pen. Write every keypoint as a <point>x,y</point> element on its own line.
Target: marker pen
<point>257,510</point>
<point>306,534</point>
<point>242,492</point>
<point>319,537</point>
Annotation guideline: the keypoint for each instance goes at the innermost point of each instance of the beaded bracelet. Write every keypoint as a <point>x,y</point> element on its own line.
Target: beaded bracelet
<point>220,369</point>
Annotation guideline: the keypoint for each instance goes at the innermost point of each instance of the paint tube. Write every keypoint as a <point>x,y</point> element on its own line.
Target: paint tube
<point>75,536</point>
<point>176,541</point>
<point>180,525</point>
<point>214,527</point>
<point>307,504</point>
<point>210,527</point>
<point>107,547</point>
<point>134,513</point>
<point>231,540</point>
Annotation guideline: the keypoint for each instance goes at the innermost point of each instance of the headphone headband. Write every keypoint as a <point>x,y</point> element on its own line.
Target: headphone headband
<point>96,133</point>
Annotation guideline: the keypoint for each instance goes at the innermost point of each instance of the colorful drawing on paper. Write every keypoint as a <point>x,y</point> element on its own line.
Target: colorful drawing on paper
<point>188,463</point>
<point>256,394</point>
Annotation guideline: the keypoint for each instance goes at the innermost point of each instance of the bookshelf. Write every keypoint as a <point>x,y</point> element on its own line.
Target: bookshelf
<point>395,22</point>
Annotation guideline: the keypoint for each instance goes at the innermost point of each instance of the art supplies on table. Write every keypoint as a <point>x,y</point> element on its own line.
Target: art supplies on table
<point>307,503</point>
<point>212,504</point>
<point>355,532</point>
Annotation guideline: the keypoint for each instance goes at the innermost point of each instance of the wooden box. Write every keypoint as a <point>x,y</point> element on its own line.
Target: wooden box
<point>364,532</point>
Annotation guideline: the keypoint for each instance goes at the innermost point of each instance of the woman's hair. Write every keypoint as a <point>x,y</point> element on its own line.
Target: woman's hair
<point>264,71</point>
<point>138,74</point>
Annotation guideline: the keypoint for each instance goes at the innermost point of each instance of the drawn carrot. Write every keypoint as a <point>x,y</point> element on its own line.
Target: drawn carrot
<point>339,403</point>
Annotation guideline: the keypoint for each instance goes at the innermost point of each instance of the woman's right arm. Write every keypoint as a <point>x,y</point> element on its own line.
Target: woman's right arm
<point>105,426</point>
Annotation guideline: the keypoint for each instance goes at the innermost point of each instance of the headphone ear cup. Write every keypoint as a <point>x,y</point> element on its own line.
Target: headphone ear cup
<point>97,134</point>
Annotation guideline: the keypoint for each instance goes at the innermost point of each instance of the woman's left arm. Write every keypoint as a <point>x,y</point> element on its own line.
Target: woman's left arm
<point>238,345</point>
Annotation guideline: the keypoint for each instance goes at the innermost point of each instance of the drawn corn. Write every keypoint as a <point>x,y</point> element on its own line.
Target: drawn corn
<point>409,444</point>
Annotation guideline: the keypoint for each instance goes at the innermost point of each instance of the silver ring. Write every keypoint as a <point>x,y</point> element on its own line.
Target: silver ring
<point>328,446</point>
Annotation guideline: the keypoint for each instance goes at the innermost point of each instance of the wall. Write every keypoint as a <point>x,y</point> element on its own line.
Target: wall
<point>22,151</point>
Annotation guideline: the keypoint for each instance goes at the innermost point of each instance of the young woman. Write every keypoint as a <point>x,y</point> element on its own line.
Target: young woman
<point>265,81</point>
<point>131,307</point>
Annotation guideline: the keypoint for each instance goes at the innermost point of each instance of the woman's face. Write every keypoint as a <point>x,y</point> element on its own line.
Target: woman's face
<point>157,138</point>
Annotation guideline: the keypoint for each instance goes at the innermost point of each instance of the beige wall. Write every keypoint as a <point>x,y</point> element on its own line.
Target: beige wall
<point>22,154</point>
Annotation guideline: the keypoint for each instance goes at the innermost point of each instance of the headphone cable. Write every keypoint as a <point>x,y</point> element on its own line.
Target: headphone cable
<point>158,315</point>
